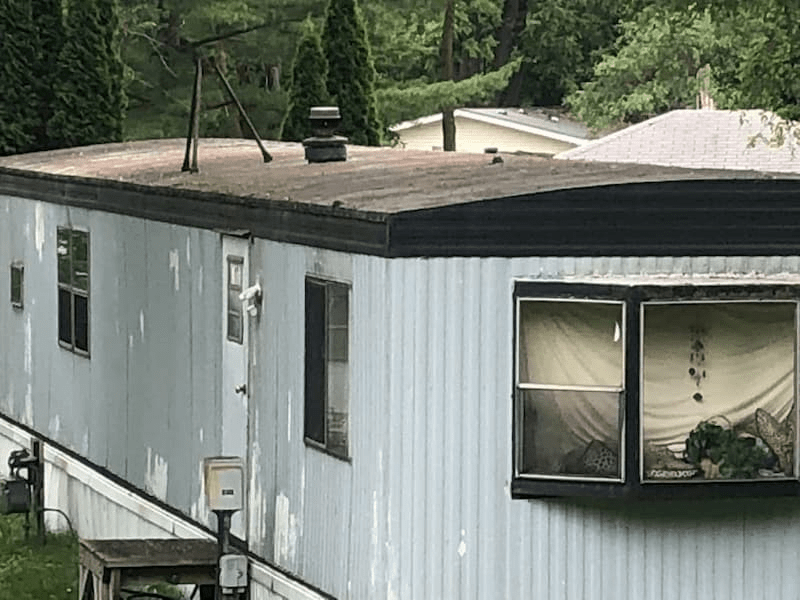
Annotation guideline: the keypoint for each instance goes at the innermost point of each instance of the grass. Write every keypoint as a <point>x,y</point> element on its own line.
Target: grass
<point>30,571</point>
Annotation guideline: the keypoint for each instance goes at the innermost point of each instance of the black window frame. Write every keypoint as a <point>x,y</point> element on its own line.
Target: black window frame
<point>73,301</point>
<point>17,295</point>
<point>323,346</point>
<point>633,484</point>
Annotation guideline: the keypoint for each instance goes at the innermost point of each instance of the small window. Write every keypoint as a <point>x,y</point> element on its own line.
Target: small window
<point>653,391</point>
<point>235,313</point>
<point>72,247</point>
<point>17,278</point>
<point>326,365</point>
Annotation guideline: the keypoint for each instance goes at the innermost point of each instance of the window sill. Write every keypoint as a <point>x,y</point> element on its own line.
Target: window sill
<point>533,489</point>
<point>317,446</point>
<point>73,350</point>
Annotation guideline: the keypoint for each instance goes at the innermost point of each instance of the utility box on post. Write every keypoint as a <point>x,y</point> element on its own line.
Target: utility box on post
<point>15,496</point>
<point>224,483</point>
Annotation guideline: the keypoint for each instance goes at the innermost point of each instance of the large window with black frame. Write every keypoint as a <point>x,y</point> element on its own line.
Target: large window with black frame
<point>327,315</point>
<point>696,384</point>
<point>73,289</point>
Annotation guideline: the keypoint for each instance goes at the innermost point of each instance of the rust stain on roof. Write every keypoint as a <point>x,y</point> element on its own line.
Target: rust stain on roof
<point>380,180</point>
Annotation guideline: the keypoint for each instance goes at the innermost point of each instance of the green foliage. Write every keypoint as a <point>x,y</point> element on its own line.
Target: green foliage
<point>17,111</point>
<point>88,99</point>
<point>30,571</point>
<point>351,74</point>
<point>752,49</point>
<point>308,89</point>
<point>737,457</point>
<point>48,22</point>
<point>412,101</point>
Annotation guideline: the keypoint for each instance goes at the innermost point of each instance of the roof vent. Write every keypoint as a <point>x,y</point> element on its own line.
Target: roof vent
<point>324,145</point>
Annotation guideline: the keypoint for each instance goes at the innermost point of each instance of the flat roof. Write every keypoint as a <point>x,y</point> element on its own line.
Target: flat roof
<point>393,202</point>
<point>382,180</point>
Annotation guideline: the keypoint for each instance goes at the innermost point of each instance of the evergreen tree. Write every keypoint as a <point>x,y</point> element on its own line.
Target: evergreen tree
<point>87,106</point>
<point>307,86</point>
<point>115,102</point>
<point>17,118</point>
<point>351,74</point>
<point>48,28</point>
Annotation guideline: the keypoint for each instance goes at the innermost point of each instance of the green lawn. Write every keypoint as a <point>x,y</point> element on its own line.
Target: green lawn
<point>30,571</point>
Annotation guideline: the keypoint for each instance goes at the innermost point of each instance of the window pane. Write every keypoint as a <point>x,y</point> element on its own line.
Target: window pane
<point>80,260</point>
<point>570,343</point>
<point>315,362</point>
<point>235,264</point>
<point>235,326</point>
<point>337,408</point>
<point>16,285</point>
<point>65,316</point>
<point>565,433</point>
<point>718,390</point>
<point>64,258</point>
<point>81,322</point>
<point>337,305</point>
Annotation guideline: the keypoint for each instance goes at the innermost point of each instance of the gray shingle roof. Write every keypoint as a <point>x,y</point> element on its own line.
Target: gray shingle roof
<point>698,139</point>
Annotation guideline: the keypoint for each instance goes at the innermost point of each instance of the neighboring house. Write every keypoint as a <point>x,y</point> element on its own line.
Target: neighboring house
<point>534,131</point>
<point>713,139</point>
<point>463,380</point>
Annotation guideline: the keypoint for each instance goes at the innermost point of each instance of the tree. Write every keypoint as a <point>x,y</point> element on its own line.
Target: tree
<point>446,54</point>
<point>113,104</point>
<point>309,71</point>
<point>752,50</point>
<point>48,24</point>
<point>87,103</point>
<point>351,74</point>
<point>17,115</point>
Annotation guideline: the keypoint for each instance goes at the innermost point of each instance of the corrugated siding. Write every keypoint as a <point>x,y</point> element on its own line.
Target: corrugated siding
<point>145,405</point>
<point>431,414</point>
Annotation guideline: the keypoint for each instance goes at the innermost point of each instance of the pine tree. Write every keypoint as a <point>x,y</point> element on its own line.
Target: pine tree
<point>48,31</point>
<point>351,74</point>
<point>309,71</point>
<point>114,103</point>
<point>17,117</point>
<point>88,101</point>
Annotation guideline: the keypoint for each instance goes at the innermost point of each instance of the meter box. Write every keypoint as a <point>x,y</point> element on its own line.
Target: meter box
<point>15,496</point>
<point>232,573</point>
<point>224,477</point>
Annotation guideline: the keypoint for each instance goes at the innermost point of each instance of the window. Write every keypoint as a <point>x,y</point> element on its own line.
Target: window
<point>326,368</point>
<point>235,315</point>
<point>73,289</point>
<point>652,390</point>
<point>17,273</point>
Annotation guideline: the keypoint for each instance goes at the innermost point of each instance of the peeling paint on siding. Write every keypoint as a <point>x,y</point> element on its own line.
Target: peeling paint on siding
<point>155,477</point>
<point>141,324</point>
<point>199,508</point>
<point>462,547</point>
<point>27,417</point>
<point>174,266</point>
<point>200,280</point>
<point>28,364</point>
<point>85,443</point>
<point>189,251</point>
<point>54,427</point>
<point>39,233</point>
<point>256,501</point>
<point>289,418</point>
<point>285,532</point>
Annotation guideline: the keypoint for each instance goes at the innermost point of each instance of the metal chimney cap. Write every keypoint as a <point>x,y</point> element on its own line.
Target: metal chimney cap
<point>324,112</point>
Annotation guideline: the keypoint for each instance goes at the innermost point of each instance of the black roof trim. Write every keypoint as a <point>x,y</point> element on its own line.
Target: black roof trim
<point>672,218</point>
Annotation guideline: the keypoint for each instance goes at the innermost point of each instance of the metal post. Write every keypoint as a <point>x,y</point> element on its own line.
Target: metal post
<point>223,545</point>
<point>36,474</point>
<point>194,121</point>
<point>266,155</point>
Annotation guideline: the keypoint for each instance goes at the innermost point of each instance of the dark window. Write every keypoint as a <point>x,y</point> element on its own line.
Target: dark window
<point>646,390</point>
<point>326,365</point>
<point>17,273</point>
<point>235,315</point>
<point>73,289</point>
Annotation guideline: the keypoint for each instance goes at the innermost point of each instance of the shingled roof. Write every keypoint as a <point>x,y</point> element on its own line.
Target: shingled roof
<point>696,139</point>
